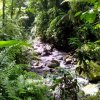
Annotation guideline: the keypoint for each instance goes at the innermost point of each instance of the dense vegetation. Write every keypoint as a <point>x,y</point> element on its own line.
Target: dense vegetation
<point>70,25</point>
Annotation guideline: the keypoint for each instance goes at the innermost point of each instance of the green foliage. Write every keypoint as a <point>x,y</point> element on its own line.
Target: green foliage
<point>89,59</point>
<point>92,97</point>
<point>85,17</point>
<point>18,84</point>
<point>64,86</point>
<point>14,53</point>
<point>16,80</point>
<point>51,22</point>
<point>86,33</point>
<point>66,24</point>
<point>58,21</point>
<point>41,22</point>
<point>13,30</point>
<point>12,43</point>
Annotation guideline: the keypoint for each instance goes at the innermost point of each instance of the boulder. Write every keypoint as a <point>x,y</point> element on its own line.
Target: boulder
<point>53,64</point>
<point>59,57</point>
<point>90,89</point>
<point>45,53</point>
<point>68,61</point>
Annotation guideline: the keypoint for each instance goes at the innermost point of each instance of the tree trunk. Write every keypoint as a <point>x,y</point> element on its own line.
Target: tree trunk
<point>3,11</point>
<point>12,9</point>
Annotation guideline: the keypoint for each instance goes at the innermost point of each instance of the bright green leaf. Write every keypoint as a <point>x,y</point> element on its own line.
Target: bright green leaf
<point>12,43</point>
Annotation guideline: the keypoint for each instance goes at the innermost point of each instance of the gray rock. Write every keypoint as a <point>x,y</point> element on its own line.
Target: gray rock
<point>91,89</point>
<point>53,64</point>
<point>59,57</point>
<point>36,63</point>
<point>38,67</point>
<point>82,81</point>
<point>67,56</point>
<point>68,61</point>
<point>45,53</point>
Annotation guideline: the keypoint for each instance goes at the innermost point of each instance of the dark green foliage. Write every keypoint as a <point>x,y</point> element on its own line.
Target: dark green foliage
<point>41,21</point>
<point>13,54</point>
<point>58,21</point>
<point>13,30</point>
<point>92,97</point>
<point>52,23</point>
<point>68,25</point>
<point>89,60</point>
<point>64,85</point>
<point>18,84</point>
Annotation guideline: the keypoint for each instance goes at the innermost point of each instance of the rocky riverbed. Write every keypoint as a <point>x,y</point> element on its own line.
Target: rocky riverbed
<point>50,59</point>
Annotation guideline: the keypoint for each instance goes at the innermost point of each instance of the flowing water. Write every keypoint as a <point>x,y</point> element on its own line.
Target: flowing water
<point>50,57</point>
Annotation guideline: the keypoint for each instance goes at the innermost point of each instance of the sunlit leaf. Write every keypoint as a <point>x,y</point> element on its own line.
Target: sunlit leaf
<point>78,13</point>
<point>12,43</point>
<point>97,26</point>
<point>88,16</point>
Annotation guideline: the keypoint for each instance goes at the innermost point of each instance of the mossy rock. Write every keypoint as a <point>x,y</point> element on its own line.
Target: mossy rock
<point>93,72</point>
<point>53,64</point>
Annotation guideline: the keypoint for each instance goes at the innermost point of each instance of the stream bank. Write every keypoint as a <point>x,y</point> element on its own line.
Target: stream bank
<point>50,59</point>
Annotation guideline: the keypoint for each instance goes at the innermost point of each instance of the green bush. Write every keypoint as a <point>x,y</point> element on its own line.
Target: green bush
<point>13,30</point>
<point>12,52</point>
<point>16,82</point>
<point>89,59</point>
<point>56,23</point>
<point>92,97</point>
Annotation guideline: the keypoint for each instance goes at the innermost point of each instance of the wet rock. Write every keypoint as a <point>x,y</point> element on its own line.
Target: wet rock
<point>68,61</point>
<point>95,79</point>
<point>46,69</point>
<point>36,63</point>
<point>91,89</point>
<point>59,57</point>
<point>38,67</point>
<point>53,64</point>
<point>48,47</point>
<point>69,66</point>
<point>67,56</point>
<point>45,53</point>
<point>82,81</point>
<point>38,52</point>
<point>74,61</point>
<point>55,52</point>
<point>45,59</point>
<point>52,70</point>
<point>62,64</point>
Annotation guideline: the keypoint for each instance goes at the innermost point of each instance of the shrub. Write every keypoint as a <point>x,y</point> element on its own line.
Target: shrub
<point>13,30</point>
<point>16,82</point>
<point>89,59</point>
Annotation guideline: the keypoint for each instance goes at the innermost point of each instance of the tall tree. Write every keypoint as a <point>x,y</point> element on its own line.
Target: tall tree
<point>3,11</point>
<point>12,5</point>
